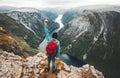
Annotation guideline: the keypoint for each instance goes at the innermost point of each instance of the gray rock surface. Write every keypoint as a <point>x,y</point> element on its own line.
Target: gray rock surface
<point>14,66</point>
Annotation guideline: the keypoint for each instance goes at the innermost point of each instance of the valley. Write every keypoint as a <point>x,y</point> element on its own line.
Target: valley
<point>87,35</point>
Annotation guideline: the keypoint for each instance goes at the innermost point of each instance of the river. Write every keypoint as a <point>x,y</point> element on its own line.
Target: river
<point>64,57</point>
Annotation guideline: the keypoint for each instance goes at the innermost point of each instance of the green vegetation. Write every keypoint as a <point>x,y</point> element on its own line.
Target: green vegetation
<point>26,48</point>
<point>25,38</point>
<point>12,27</point>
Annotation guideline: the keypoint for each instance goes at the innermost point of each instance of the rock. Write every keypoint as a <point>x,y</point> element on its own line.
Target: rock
<point>11,66</point>
<point>86,71</point>
<point>62,74</point>
<point>42,70</point>
<point>8,43</point>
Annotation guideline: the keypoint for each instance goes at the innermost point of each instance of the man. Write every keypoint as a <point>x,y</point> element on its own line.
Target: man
<point>52,48</point>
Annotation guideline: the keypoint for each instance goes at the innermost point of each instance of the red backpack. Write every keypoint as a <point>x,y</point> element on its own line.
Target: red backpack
<point>51,47</point>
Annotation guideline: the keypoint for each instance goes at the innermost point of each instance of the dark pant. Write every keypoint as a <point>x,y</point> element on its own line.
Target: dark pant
<point>51,57</point>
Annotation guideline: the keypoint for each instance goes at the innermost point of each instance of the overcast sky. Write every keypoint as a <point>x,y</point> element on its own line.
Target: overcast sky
<point>56,3</point>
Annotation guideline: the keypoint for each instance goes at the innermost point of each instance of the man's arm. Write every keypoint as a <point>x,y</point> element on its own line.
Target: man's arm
<point>47,35</point>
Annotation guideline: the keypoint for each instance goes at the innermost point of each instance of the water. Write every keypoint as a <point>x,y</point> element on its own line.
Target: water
<point>64,57</point>
<point>71,60</point>
<point>58,20</point>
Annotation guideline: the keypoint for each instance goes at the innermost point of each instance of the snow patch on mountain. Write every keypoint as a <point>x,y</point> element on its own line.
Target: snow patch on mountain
<point>80,33</point>
<point>30,29</point>
<point>24,9</point>
<point>69,46</point>
<point>85,56</point>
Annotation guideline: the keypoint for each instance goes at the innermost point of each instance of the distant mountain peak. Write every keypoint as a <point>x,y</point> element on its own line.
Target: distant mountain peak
<point>6,9</point>
<point>26,9</point>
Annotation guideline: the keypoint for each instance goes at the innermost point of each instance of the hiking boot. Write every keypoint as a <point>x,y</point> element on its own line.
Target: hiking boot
<point>47,70</point>
<point>53,71</point>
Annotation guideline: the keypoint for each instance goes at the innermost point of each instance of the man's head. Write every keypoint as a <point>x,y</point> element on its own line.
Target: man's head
<point>45,21</point>
<point>54,35</point>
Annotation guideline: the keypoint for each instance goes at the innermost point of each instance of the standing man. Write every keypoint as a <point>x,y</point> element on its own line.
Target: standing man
<point>52,48</point>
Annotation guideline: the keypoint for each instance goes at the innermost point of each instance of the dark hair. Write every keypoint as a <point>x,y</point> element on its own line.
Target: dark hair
<point>54,35</point>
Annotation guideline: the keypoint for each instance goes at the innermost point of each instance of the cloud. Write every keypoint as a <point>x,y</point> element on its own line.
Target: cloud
<point>55,3</point>
<point>22,3</point>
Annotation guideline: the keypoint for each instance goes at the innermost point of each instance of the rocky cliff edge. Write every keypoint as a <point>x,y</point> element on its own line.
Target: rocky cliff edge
<point>14,66</point>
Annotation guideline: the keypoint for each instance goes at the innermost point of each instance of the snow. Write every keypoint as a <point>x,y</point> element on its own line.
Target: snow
<point>95,39</point>
<point>80,33</point>
<point>102,27</point>
<point>29,29</point>
<point>104,34</point>
<point>85,56</point>
<point>26,10</point>
<point>101,30</point>
<point>78,27</point>
<point>69,46</point>
<point>22,18</point>
<point>73,40</point>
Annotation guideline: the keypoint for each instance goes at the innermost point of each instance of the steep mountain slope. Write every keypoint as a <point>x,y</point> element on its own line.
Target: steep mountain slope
<point>32,19</point>
<point>69,15</point>
<point>7,43</point>
<point>26,25</point>
<point>51,15</point>
<point>74,12</point>
<point>93,36</point>
<point>24,38</point>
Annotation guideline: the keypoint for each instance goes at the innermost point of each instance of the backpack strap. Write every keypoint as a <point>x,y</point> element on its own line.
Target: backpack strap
<point>51,39</point>
<point>56,41</point>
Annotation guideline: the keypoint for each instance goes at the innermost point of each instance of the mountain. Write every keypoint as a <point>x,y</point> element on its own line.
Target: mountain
<point>13,66</point>
<point>74,12</point>
<point>16,35</point>
<point>32,19</point>
<point>7,43</point>
<point>26,9</point>
<point>69,15</point>
<point>56,10</point>
<point>93,36</point>
<point>25,25</point>
<point>5,9</point>
<point>51,15</point>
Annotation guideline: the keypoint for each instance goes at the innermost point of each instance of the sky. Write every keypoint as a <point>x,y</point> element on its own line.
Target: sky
<point>56,3</point>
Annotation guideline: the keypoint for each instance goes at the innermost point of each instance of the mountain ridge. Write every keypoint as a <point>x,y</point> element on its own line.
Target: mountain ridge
<point>18,33</point>
<point>92,36</point>
<point>26,9</point>
<point>34,20</point>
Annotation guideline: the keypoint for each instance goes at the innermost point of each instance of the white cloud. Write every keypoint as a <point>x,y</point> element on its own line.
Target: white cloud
<point>55,3</point>
<point>22,3</point>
